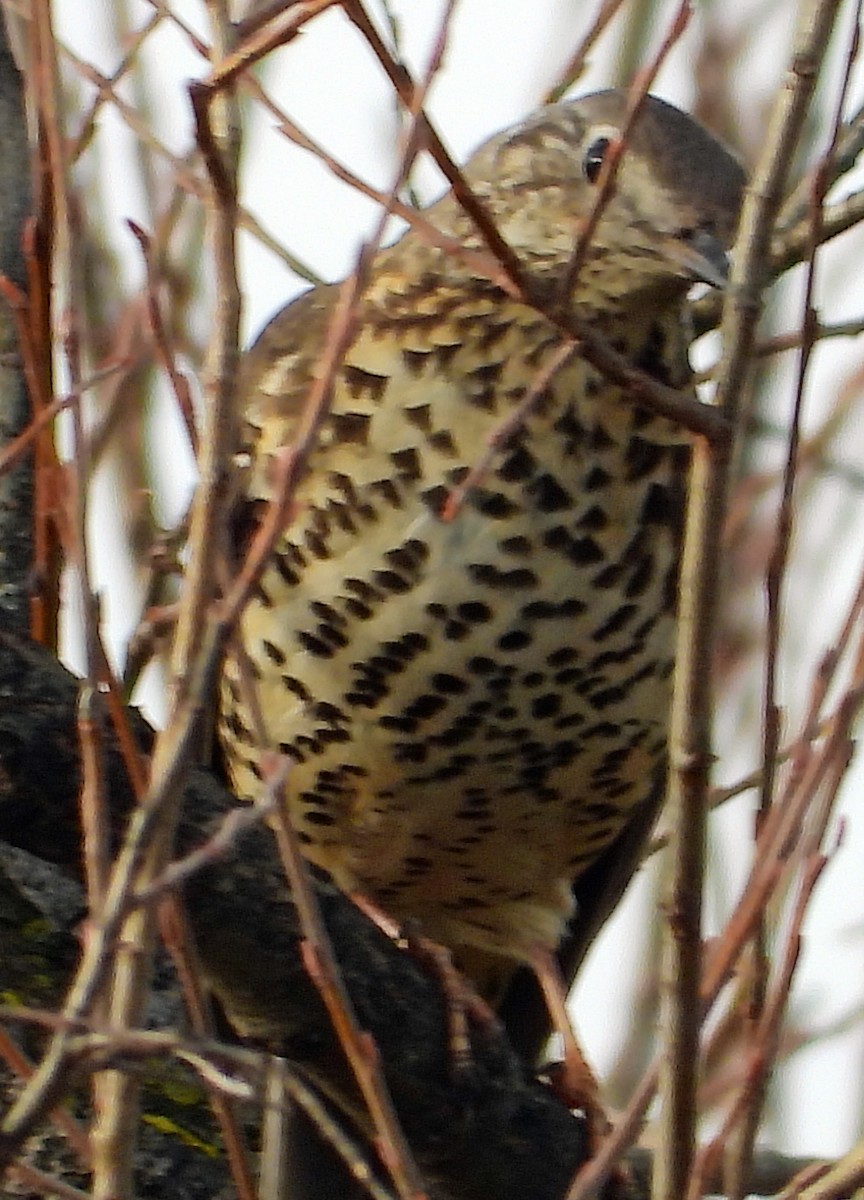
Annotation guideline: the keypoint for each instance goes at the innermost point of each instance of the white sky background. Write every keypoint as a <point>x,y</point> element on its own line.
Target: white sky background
<point>499,63</point>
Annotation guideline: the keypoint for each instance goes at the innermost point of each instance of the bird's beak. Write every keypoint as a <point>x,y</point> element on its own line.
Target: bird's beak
<point>702,257</point>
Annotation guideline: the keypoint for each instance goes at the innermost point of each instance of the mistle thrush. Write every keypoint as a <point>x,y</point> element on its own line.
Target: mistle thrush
<point>475,709</point>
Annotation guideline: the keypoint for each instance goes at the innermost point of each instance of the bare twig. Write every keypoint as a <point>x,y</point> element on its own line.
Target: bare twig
<point>220,145</point>
<point>573,69</point>
<point>690,736</point>
<point>359,1047</point>
<point>764,1021</point>
<point>612,159</point>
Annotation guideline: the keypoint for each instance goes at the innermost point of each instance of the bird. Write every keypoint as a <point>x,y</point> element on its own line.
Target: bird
<point>475,707</point>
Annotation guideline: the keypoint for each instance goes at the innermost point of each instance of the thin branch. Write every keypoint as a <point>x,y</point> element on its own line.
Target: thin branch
<point>699,590</point>
<point>575,66</point>
<point>636,97</point>
<point>218,129</point>
<point>764,1017</point>
<point>359,1048</point>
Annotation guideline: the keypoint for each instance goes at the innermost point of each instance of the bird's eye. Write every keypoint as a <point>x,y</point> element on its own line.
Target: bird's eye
<point>595,156</point>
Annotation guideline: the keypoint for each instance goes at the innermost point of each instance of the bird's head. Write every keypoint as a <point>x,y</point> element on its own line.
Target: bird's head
<point>668,222</point>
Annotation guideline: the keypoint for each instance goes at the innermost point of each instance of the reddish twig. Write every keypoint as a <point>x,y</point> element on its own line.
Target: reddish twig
<point>605,189</point>
<point>321,965</point>
<point>164,353</point>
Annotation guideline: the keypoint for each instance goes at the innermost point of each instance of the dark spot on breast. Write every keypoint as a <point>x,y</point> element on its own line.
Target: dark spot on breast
<point>647,625</point>
<point>326,612</point>
<point>398,724</point>
<point>444,355</point>
<point>491,333</point>
<point>329,633</point>
<point>593,518</point>
<point>298,688</point>
<point>407,463</point>
<point>640,579</point>
<point>413,752</point>
<point>408,646</point>
<point>516,639</point>
<point>415,361</point>
<point>616,622</point>
<point>658,507</point>
<point>570,426</point>
<point>262,595</point>
<point>313,817</point>
<point>608,577</point>
<point>596,479</point>
<point>351,427</point>
<point>489,372</point>
<point>547,705</point>
<point>323,710</point>
<point>287,573</point>
<point>484,398</point>
<point>557,538</point>
<point>356,608</point>
<point>582,552</point>
<point>341,516</point>
<point>314,645</point>
<point>474,611</point>
<point>361,588</point>
<point>420,417</point>
<point>449,684</point>
<point>344,485</point>
<point>405,558</point>
<point>548,494</point>
<point>492,504</point>
<point>273,652</point>
<point>435,498</point>
<point>603,729</point>
<point>316,544</point>
<point>599,439</point>
<point>518,465</point>
<point>389,492</point>
<point>442,441</point>
<point>455,735</point>
<point>425,706</point>
<point>539,610</point>
<point>362,699</point>
<point>642,457</point>
<point>390,581</point>
<point>360,382</point>
<point>490,576</point>
<point>520,547</point>
<point>479,665</point>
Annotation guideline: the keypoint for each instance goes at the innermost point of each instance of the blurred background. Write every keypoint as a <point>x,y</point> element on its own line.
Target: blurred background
<point>126,65</point>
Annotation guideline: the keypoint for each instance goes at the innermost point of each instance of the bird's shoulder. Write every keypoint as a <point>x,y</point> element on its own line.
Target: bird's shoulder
<point>277,369</point>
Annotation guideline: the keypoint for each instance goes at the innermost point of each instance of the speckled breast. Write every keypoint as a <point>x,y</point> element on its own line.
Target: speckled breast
<point>472,708</point>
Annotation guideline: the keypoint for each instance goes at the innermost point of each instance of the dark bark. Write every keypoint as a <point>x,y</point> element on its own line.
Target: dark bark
<point>490,1132</point>
<point>16,485</point>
